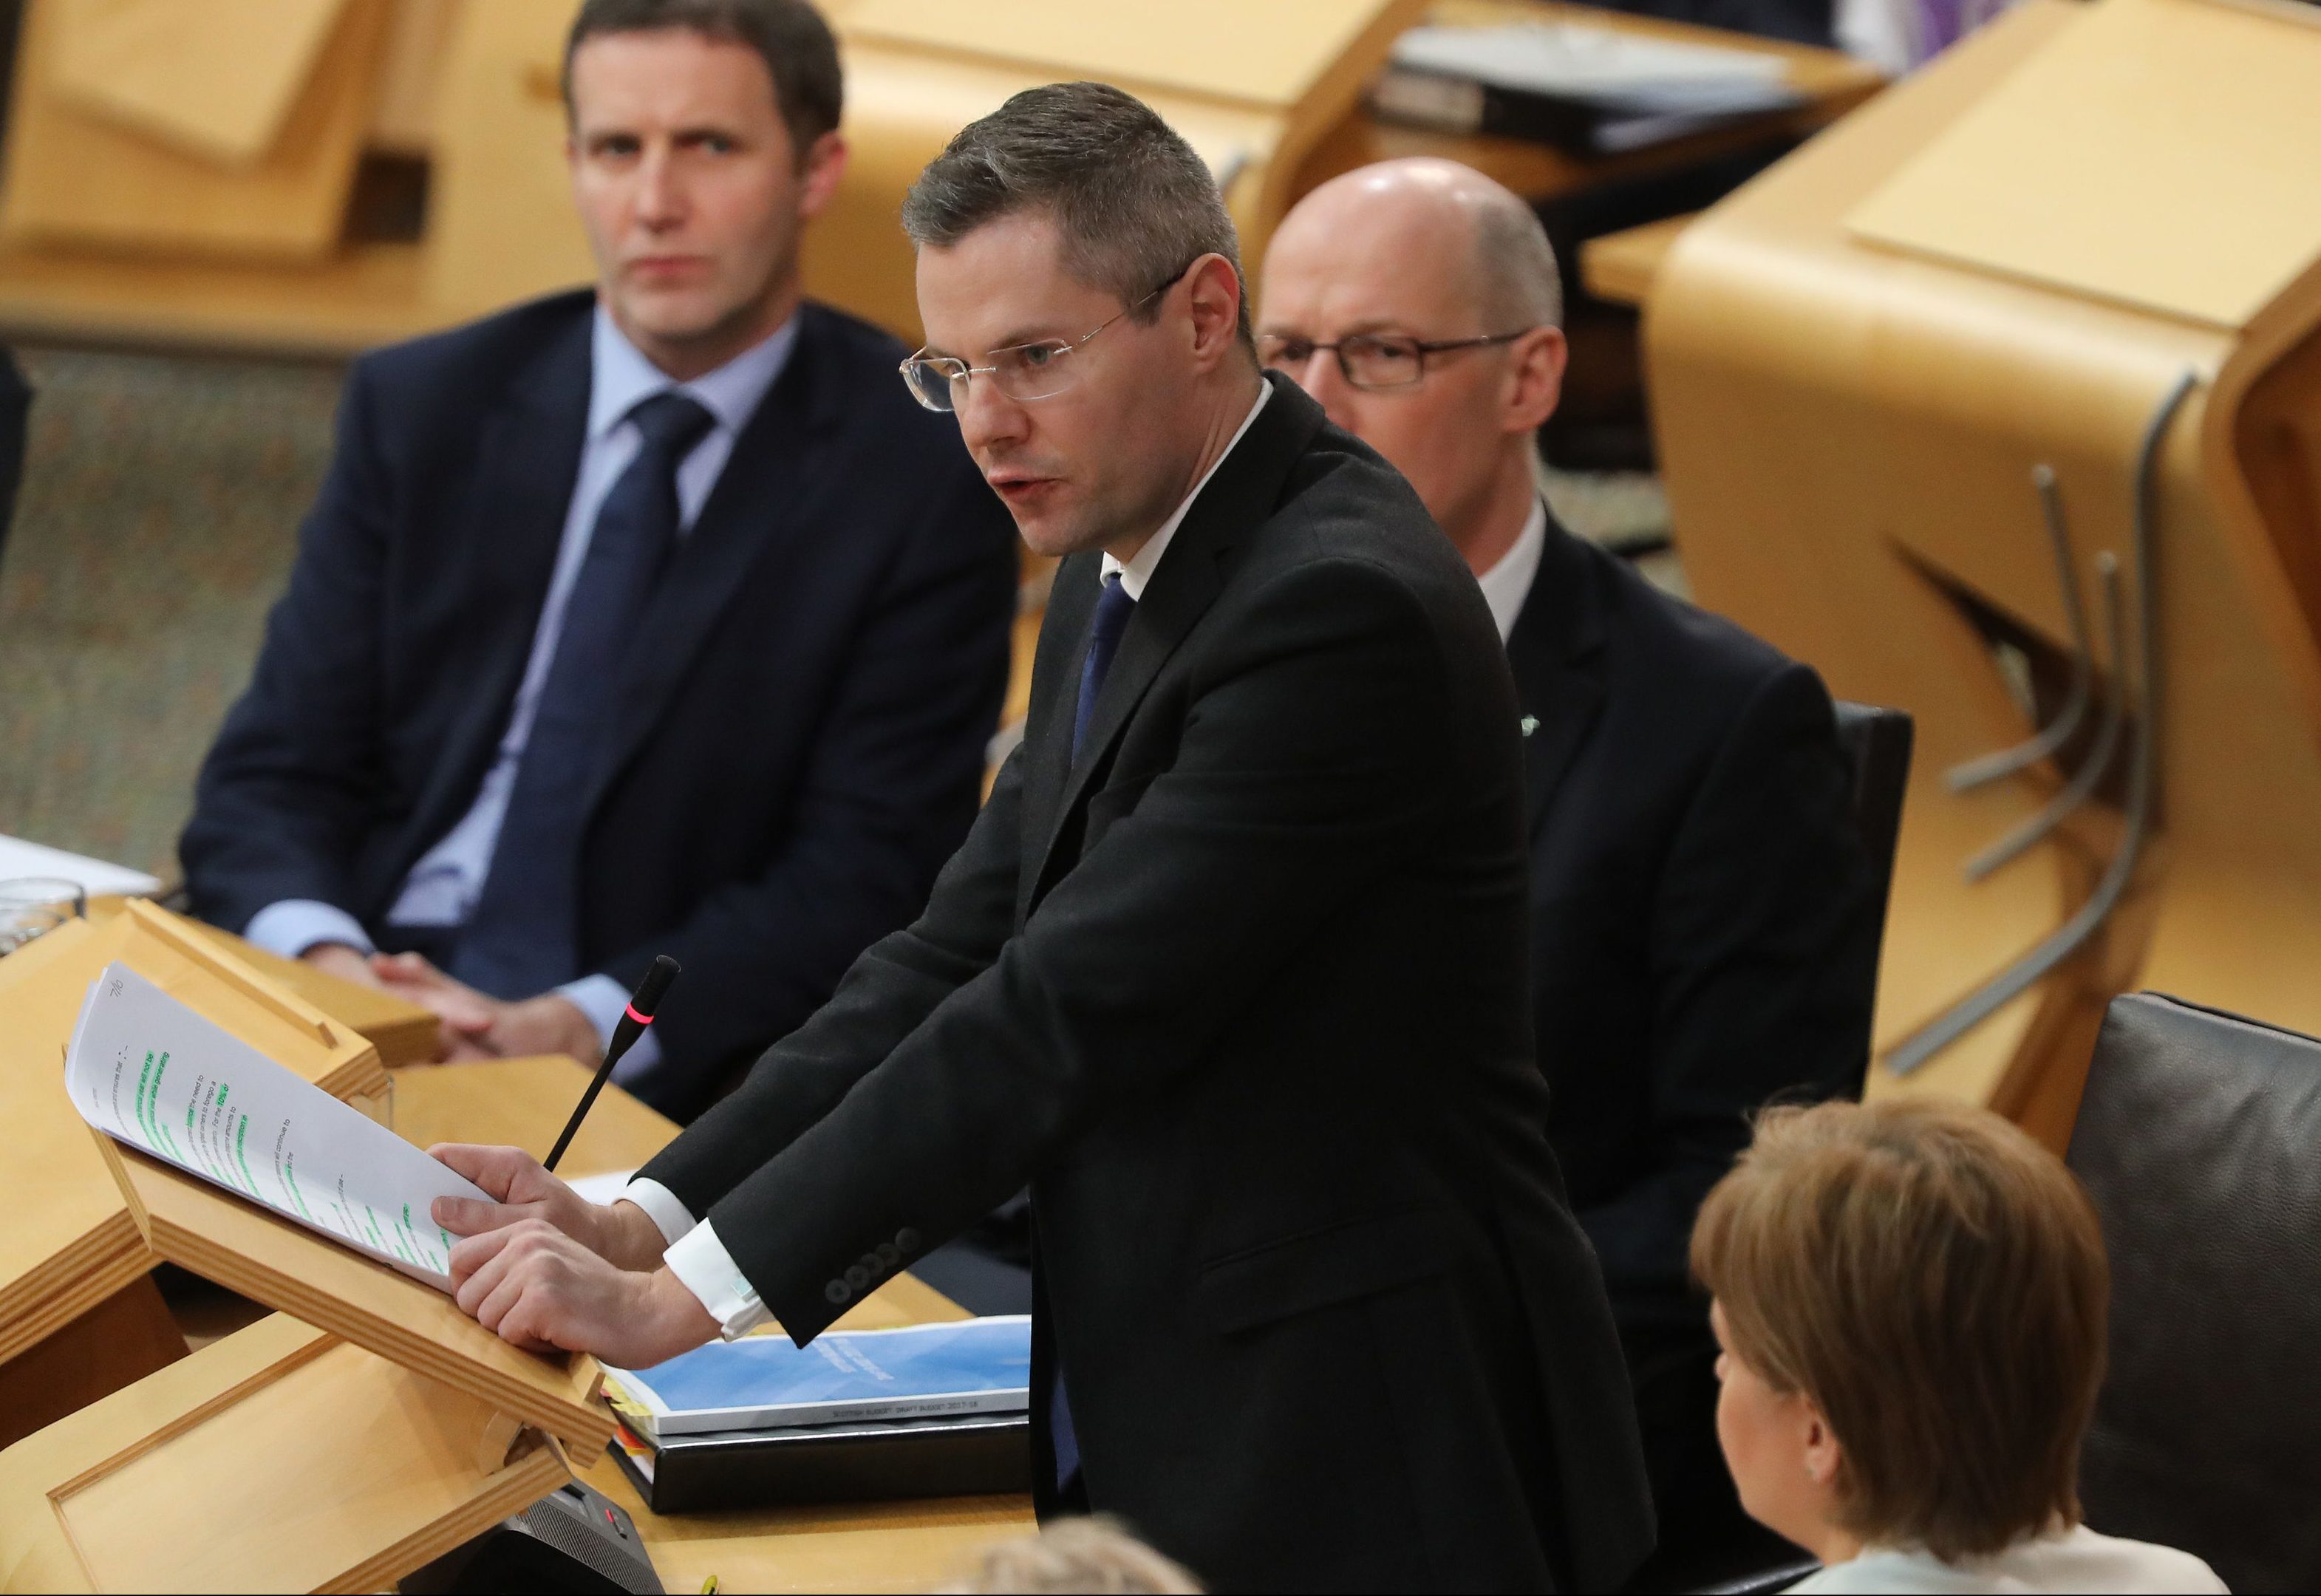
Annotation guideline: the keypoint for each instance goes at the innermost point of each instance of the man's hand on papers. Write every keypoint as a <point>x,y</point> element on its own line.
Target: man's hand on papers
<point>620,1233</point>
<point>533,1285</point>
<point>477,1027</point>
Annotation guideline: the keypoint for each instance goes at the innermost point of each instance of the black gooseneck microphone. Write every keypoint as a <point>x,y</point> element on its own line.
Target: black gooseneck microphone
<point>642,1003</point>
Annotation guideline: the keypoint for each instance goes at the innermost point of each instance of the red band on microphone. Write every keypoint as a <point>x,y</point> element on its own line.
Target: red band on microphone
<point>643,1020</point>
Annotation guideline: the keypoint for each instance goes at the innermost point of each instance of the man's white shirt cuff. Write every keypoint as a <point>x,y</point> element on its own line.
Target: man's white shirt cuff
<point>288,928</point>
<point>707,1270</point>
<point>670,1217</point>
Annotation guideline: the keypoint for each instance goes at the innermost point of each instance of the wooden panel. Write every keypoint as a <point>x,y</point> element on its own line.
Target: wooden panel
<point>357,300</point>
<point>1620,266</point>
<point>70,1241</point>
<point>278,1459</point>
<point>2162,154</point>
<point>120,1340</point>
<point>77,176</point>
<point>411,75</point>
<point>1281,51</point>
<point>245,1247</point>
<point>500,221</point>
<point>217,80</point>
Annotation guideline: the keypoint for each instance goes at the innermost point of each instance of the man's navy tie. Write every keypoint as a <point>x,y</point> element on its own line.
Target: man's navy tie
<point>523,937</point>
<point>1113,610</point>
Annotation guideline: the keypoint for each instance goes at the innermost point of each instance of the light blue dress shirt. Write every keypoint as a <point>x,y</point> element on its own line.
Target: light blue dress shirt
<point>443,887</point>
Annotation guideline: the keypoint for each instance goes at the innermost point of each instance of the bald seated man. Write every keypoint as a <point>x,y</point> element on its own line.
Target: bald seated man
<point>1700,911</point>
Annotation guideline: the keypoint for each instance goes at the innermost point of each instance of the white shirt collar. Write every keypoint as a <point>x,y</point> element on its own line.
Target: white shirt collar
<point>1507,584</point>
<point>620,376</point>
<point>1139,570</point>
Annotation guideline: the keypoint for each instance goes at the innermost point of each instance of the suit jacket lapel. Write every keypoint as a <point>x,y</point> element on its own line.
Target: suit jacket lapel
<point>1556,654</point>
<point>529,462</point>
<point>1241,496</point>
<point>768,495</point>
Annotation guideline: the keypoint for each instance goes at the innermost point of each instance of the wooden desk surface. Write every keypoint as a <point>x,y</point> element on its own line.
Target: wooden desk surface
<point>1620,266</point>
<point>908,1545</point>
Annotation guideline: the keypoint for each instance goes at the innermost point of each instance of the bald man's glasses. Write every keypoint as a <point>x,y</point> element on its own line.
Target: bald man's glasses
<point>1376,361</point>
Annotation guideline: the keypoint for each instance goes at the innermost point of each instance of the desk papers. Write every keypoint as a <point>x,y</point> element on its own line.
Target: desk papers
<point>150,1073</point>
<point>92,876</point>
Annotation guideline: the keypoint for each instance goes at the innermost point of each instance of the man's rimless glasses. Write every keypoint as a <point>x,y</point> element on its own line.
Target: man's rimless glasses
<point>1022,371</point>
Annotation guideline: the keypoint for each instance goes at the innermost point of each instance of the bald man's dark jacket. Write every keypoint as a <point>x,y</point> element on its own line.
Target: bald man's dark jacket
<point>1241,992</point>
<point>1702,923</point>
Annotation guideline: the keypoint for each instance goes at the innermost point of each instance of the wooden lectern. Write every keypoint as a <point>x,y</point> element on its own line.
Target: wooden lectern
<point>2000,401</point>
<point>360,1432</point>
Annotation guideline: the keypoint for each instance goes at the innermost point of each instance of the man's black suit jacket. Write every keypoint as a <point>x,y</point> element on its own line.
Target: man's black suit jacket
<point>1700,903</point>
<point>802,727</point>
<point>1240,991</point>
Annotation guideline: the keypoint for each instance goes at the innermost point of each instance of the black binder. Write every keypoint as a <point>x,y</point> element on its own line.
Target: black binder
<point>965,1454</point>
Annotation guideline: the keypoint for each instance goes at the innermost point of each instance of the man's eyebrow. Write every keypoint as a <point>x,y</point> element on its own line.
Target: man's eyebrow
<point>1033,335</point>
<point>1368,325</point>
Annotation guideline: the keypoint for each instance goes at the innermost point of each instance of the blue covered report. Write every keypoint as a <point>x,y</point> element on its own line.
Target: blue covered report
<point>980,1365</point>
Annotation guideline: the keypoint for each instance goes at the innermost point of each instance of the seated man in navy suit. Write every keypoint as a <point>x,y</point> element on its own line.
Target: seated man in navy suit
<point>650,619</point>
<point>1701,916</point>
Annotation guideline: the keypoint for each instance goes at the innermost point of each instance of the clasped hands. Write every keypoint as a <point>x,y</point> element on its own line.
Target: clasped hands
<point>544,1268</point>
<point>474,1026</point>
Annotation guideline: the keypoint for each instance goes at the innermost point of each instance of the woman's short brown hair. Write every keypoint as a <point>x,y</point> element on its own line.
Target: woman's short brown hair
<point>1934,1282</point>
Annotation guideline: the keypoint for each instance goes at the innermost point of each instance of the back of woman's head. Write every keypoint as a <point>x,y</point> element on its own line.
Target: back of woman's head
<point>1934,1282</point>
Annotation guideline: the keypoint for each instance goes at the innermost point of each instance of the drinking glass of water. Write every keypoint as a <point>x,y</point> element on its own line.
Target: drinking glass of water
<point>32,905</point>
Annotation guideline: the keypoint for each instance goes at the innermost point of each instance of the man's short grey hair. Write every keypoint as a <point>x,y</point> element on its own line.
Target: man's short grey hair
<point>1135,203</point>
<point>1516,281</point>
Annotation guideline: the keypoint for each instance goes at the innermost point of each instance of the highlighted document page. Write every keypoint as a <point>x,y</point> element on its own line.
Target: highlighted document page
<point>148,1071</point>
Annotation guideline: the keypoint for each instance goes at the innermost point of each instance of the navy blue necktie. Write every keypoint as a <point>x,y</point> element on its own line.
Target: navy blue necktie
<point>524,936</point>
<point>1112,612</point>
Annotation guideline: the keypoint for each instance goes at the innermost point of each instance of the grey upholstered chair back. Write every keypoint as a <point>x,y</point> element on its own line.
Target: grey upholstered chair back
<point>2199,1139</point>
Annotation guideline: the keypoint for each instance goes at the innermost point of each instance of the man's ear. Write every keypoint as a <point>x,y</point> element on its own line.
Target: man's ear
<point>1535,364</point>
<point>819,173</point>
<point>1213,293</point>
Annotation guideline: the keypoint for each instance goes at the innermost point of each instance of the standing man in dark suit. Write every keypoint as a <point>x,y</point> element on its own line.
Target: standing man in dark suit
<point>655,619</point>
<point>1700,913</point>
<point>1230,969</point>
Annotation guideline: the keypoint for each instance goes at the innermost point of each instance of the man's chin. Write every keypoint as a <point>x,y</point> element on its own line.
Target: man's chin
<point>1054,536</point>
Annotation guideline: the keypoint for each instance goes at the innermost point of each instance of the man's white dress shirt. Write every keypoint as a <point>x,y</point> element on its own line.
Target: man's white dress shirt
<point>1507,583</point>
<point>694,1254</point>
<point>443,887</point>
